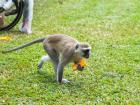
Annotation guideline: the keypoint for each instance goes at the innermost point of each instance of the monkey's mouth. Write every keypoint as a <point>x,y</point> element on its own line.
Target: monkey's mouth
<point>80,68</point>
<point>79,65</point>
<point>86,56</point>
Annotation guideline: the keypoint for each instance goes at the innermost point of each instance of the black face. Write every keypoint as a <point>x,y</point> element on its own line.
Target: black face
<point>86,53</point>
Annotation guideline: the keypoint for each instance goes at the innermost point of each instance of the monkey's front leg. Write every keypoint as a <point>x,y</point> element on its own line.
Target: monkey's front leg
<point>60,70</point>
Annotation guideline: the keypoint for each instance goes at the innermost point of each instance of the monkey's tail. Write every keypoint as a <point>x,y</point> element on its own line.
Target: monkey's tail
<point>25,45</point>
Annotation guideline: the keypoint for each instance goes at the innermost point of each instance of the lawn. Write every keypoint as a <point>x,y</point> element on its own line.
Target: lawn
<point>112,76</point>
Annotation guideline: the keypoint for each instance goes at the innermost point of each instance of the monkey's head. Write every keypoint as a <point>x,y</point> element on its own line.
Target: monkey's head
<point>83,49</point>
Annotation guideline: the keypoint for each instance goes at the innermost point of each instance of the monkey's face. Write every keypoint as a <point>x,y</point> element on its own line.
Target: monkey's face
<point>84,50</point>
<point>86,53</point>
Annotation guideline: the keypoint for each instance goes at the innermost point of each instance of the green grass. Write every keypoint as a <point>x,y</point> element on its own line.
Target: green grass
<point>112,77</point>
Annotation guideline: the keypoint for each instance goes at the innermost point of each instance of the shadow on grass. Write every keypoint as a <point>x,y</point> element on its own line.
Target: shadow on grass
<point>49,78</point>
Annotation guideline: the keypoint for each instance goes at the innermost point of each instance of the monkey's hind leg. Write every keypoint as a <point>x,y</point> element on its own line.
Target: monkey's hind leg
<point>54,58</point>
<point>41,62</point>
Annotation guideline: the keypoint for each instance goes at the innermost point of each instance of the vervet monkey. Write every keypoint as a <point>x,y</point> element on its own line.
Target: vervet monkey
<point>61,49</point>
<point>27,13</point>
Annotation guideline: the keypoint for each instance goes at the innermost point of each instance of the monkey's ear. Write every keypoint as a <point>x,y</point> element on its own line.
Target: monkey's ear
<point>77,46</point>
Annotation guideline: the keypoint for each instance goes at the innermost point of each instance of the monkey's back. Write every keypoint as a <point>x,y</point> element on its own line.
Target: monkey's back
<point>60,42</point>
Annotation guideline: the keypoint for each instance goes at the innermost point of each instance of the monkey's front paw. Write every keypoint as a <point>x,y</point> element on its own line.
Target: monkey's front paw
<point>65,81</point>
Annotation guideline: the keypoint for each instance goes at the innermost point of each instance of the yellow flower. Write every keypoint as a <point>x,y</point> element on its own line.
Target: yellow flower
<point>5,38</point>
<point>82,63</point>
